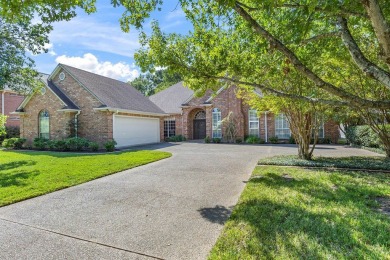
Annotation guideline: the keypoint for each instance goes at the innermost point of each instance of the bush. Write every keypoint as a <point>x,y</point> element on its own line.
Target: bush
<point>40,143</point>
<point>274,140</point>
<point>60,145</point>
<point>52,145</point>
<point>216,140</point>
<point>110,145</point>
<point>362,135</point>
<point>291,140</point>
<point>94,146</point>
<point>11,132</point>
<point>252,139</point>
<point>176,138</point>
<point>238,140</point>
<point>13,143</point>
<point>342,141</point>
<point>207,140</point>
<point>76,143</point>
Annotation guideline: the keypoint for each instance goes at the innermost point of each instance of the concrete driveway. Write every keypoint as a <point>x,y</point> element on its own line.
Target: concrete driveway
<point>171,209</point>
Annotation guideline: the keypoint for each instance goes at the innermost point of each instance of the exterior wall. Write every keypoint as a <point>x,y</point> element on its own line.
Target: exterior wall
<point>94,125</point>
<point>178,125</point>
<point>11,102</point>
<point>332,131</point>
<point>59,121</point>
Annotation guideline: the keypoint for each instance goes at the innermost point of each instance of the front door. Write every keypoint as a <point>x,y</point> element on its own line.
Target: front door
<point>199,128</point>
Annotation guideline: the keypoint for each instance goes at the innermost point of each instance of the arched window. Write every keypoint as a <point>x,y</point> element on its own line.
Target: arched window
<point>200,115</point>
<point>217,125</point>
<point>44,124</point>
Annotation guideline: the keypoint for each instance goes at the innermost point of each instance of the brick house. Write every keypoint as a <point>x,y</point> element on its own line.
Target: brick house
<point>198,117</point>
<point>9,102</point>
<point>78,103</point>
<point>75,102</point>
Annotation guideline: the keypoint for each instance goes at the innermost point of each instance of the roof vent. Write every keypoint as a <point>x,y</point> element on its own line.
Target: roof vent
<point>61,76</point>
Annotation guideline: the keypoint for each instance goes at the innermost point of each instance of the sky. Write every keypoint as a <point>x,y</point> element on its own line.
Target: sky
<point>96,43</point>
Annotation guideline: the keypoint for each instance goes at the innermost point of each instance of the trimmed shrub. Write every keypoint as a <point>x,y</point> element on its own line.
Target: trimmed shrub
<point>13,143</point>
<point>60,145</point>
<point>110,145</point>
<point>207,139</point>
<point>363,135</point>
<point>11,132</point>
<point>252,139</point>
<point>216,140</point>
<point>94,146</point>
<point>76,144</point>
<point>274,140</point>
<point>40,143</point>
<point>238,140</point>
<point>176,138</point>
<point>291,140</point>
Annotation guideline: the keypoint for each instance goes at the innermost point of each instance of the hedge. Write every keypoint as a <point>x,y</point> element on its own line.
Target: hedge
<point>363,135</point>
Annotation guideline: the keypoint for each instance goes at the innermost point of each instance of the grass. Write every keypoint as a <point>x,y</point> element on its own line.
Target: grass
<point>315,214</point>
<point>355,162</point>
<point>25,175</point>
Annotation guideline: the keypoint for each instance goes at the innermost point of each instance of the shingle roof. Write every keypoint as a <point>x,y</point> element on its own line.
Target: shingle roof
<point>68,102</point>
<point>113,93</point>
<point>171,99</point>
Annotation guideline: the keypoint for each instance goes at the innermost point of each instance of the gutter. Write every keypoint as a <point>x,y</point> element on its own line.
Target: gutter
<point>129,111</point>
<point>76,123</point>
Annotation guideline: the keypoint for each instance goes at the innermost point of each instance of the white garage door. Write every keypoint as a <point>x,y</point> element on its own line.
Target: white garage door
<point>136,130</point>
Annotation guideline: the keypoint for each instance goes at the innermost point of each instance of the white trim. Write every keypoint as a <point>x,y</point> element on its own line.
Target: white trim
<point>128,111</point>
<point>68,110</point>
<point>216,94</point>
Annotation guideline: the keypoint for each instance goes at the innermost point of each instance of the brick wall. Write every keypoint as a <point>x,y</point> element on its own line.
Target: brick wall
<point>11,103</point>
<point>59,121</point>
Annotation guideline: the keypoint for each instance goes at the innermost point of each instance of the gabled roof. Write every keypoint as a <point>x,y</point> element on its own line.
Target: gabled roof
<point>113,94</point>
<point>68,103</point>
<point>171,99</point>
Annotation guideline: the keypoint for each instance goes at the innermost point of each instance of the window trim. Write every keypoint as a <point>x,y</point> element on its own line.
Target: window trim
<point>168,125</point>
<point>282,116</point>
<point>216,126</point>
<point>253,121</point>
<point>40,124</point>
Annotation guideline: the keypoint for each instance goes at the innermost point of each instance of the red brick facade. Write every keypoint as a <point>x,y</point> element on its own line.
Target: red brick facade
<point>11,101</point>
<point>227,102</point>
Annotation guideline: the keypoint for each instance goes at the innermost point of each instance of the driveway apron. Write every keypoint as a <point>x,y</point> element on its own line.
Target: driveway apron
<point>170,209</point>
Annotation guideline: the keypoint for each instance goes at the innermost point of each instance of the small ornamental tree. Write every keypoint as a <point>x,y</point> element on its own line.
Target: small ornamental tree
<point>3,119</point>
<point>229,124</point>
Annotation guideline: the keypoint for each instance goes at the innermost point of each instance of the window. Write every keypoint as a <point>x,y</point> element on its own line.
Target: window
<point>321,132</point>
<point>44,124</point>
<point>217,124</point>
<point>282,130</point>
<point>169,127</point>
<point>253,123</point>
<point>200,115</point>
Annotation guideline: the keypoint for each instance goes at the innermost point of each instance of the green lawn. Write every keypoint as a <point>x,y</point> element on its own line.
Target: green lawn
<point>28,174</point>
<point>315,214</point>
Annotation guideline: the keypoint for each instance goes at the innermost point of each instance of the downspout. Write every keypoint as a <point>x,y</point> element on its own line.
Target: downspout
<point>113,123</point>
<point>76,123</point>
<point>266,126</point>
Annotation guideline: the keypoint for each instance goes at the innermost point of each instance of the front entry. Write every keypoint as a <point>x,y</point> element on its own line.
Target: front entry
<point>199,128</point>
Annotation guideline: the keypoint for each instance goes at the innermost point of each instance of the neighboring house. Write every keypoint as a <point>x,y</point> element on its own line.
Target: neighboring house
<point>198,117</point>
<point>9,101</point>
<point>75,102</point>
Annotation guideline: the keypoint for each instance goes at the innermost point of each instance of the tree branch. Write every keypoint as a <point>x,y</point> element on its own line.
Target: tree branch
<point>299,66</point>
<point>363,63</point>
<point>381,28</point>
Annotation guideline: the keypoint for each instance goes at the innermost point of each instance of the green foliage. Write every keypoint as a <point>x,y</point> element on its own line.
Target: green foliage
<point>291,140</point>
<point>176,138</point>
<point>216,140</point>
<point>252,139</point>
<point>3,119</point>
<point>16,67</point>
<point>25,175</point>
<point>363,136</point>
<point>207,139</point>
<point>94,146</point>
<point>153,82</point>
<point>274,140</point>
<point>40,143</point>
<point>13,143</point>
<point>76,143</point>
<point>10,132</point>
<point>110,145</point>
<point>238,140</point>
<point>352,162</point>
<point>288,213</point>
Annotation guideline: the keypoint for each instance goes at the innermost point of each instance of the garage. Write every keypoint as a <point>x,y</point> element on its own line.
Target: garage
<point>128,130</point>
